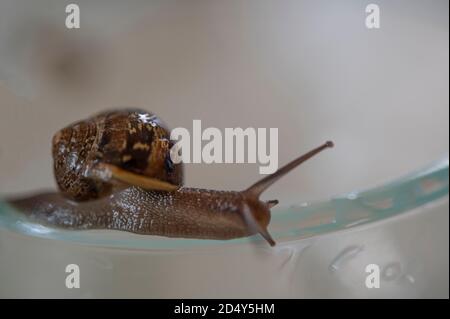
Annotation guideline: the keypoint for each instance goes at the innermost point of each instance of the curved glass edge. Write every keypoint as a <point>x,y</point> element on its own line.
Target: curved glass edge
<point>288,223</point>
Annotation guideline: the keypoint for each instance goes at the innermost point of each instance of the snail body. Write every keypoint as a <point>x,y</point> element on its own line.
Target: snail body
<point>187,213</point>
<point>114,172</point>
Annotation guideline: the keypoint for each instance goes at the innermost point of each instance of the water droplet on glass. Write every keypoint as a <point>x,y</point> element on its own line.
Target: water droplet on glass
<point>344,256</point>
<point>391,271</point>
<point>352,195</point>
<point>410,278</point>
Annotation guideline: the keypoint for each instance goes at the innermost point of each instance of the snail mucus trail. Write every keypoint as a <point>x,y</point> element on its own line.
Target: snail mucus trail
<point>114,171</point>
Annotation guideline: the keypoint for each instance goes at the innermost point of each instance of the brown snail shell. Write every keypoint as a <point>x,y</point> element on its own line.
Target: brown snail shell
<point>131,139</point>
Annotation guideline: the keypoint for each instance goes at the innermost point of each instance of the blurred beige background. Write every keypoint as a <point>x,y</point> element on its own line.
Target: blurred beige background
<point>310,68</point>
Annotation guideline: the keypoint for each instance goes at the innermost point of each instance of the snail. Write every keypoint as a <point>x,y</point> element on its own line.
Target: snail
<point>114,171</point>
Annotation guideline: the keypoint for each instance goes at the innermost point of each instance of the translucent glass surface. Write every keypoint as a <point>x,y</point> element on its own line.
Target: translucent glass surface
<point>322,250</point>
<point>288,223</point>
